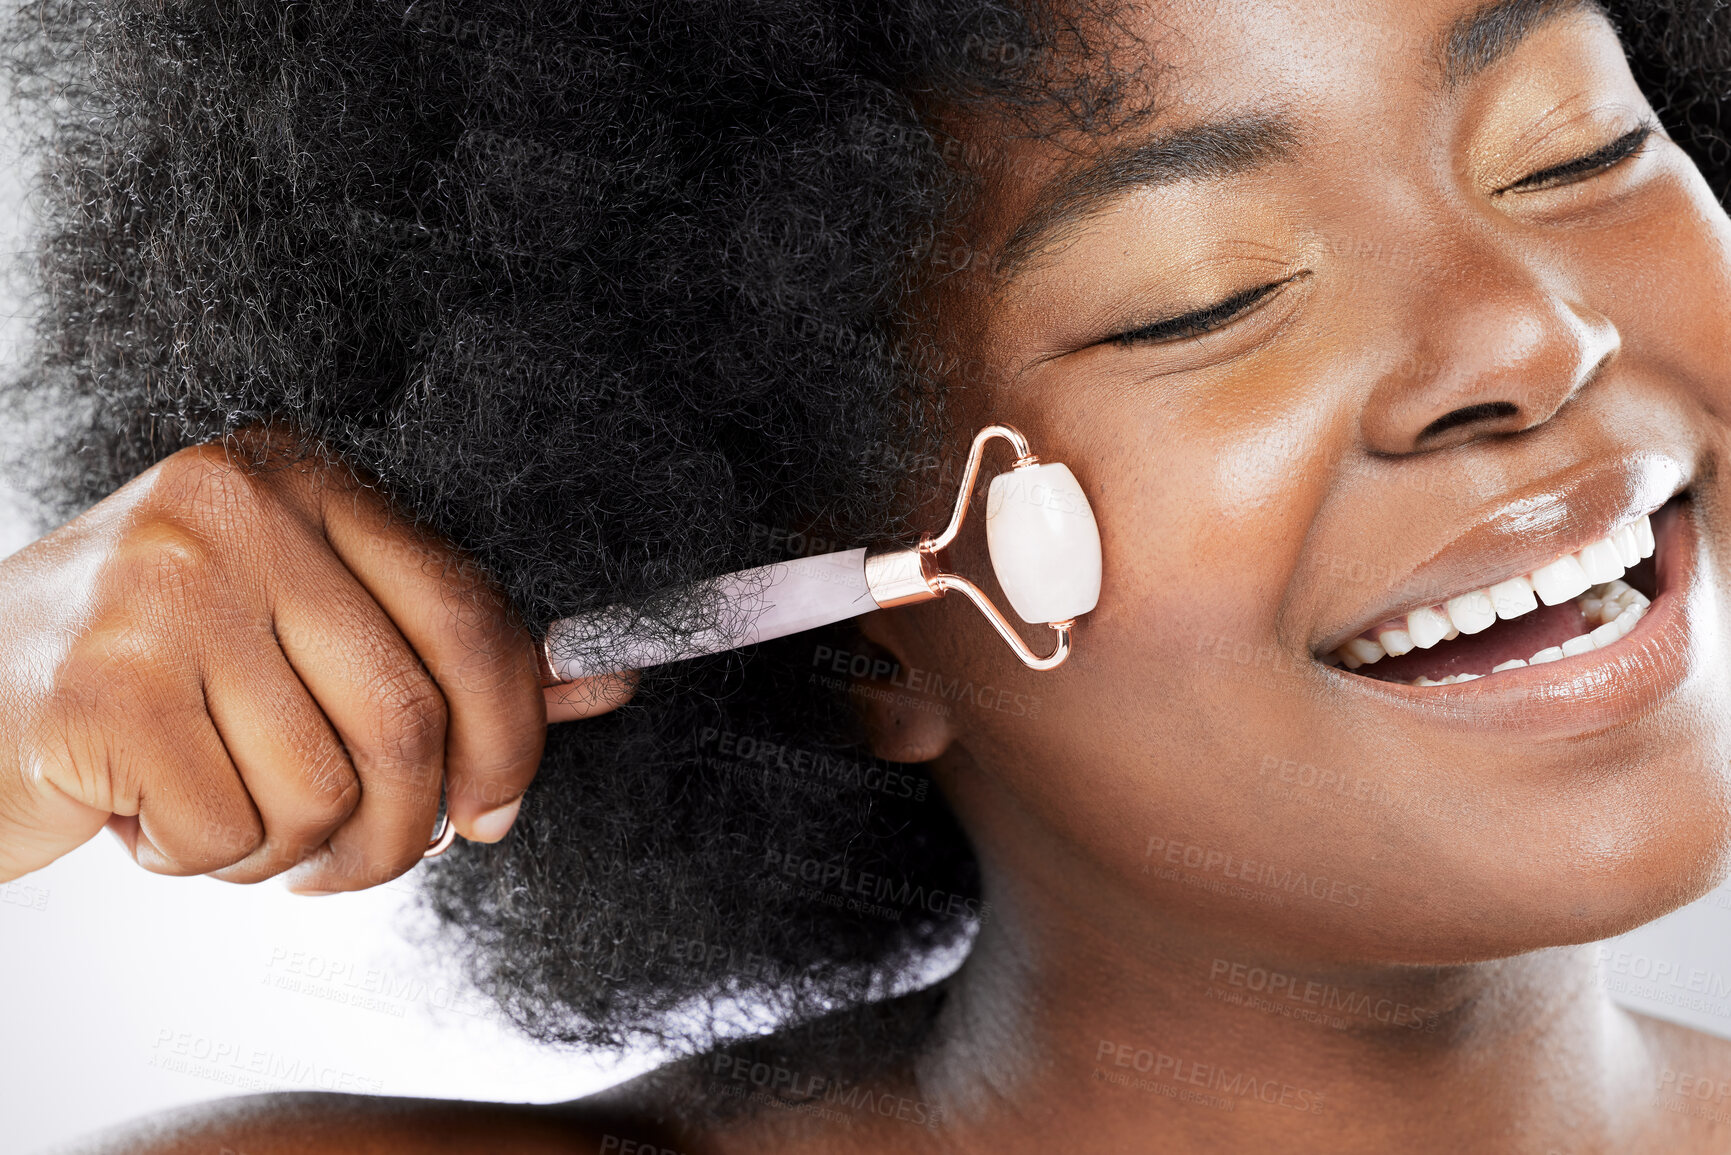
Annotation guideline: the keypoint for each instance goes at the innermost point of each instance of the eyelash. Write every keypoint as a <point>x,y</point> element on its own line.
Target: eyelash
<point>1582,167</point>
<point>1201,321</point>
<point>1214,316</point>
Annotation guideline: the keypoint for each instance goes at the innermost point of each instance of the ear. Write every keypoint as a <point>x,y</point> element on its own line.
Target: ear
<point>903,723</point>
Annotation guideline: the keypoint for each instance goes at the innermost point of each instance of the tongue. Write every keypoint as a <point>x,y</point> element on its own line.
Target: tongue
<point>1520,637</point>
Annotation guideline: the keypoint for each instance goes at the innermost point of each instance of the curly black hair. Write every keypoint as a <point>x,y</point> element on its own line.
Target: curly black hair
<point>615,297</point>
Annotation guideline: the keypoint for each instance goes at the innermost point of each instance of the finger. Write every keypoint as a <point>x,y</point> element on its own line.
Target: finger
<point>389,716</point>
<point>291,761</point>
<point>39,822</point>
<point>481,657</point>
<point>193,813</point>
<point>589,697</point>
<point>133,739</point>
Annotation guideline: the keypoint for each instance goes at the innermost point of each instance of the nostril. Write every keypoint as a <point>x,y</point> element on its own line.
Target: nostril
<point>1467,415</point>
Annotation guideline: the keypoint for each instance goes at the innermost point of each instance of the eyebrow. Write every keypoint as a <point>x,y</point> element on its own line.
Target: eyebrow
<point>1200,152</point>
<point>1490,32</point>
<point>1224,148</point>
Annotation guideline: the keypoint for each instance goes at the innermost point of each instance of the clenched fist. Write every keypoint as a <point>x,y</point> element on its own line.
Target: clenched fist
<point>245,672</point>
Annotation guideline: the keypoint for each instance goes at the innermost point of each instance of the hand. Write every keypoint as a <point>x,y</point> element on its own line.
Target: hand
<point>245,672</point>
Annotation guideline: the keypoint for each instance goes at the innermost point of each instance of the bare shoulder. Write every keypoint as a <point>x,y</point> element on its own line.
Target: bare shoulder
<point>766,1095</point>
<point>689,1108</point>
<point>676,1111</point>
<point>1691,1083</point>
<point>313,1123</point>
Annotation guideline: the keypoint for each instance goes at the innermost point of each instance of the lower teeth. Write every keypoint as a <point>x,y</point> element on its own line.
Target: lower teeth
<point>1612,609</point>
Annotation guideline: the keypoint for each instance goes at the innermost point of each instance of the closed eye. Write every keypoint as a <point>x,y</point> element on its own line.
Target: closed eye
<point>1199,322</point>
<point>1215,316</point>
<point>1582,167</point>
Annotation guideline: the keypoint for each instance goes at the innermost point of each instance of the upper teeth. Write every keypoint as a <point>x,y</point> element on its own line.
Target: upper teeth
<point>1570,576</point>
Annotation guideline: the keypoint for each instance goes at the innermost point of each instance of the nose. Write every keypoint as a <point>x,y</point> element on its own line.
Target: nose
<point>1499,350</point>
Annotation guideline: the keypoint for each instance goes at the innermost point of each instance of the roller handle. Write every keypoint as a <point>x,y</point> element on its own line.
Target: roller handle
<point>770,601</point>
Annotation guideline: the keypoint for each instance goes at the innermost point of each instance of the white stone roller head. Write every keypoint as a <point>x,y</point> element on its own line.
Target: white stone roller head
<point>1044,543</point>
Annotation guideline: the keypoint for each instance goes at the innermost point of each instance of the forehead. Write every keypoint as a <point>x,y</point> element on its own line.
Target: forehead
<point>1211,51</point>
<point>1229,86</point>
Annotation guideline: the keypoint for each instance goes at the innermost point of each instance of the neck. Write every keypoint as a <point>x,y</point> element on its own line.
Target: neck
<point>1084,1021</point>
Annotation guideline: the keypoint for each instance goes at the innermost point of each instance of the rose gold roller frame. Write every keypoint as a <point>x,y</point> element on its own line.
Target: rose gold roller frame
<point>905,575</point>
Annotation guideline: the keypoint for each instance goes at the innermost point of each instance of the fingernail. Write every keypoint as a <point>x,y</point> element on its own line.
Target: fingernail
<point>314,893</point>
<point>492,825</point>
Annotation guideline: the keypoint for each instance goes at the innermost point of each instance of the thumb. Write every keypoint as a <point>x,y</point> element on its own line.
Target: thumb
<point>39,822</point>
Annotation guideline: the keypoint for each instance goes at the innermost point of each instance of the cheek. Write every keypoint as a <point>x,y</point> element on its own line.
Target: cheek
<point>1665,286</point>
<point>1205,499</point>
<point>1203,504</point>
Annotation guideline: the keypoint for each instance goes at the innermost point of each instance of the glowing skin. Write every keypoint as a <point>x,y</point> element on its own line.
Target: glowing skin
<point>1462,375</point>
<point>1232,473</point>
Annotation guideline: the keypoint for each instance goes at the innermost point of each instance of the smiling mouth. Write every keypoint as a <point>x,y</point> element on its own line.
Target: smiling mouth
<point>1578,603</point>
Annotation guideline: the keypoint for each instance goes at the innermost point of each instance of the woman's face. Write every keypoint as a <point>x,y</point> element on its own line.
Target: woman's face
<point>1472,323</point>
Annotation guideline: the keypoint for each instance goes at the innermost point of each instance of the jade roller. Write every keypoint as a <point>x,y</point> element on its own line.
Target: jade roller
<point>1040,533</point>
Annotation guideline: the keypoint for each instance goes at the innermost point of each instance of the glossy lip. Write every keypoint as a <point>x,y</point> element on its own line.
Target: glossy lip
<point>1589,691</point>
<point>1559,515</point>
